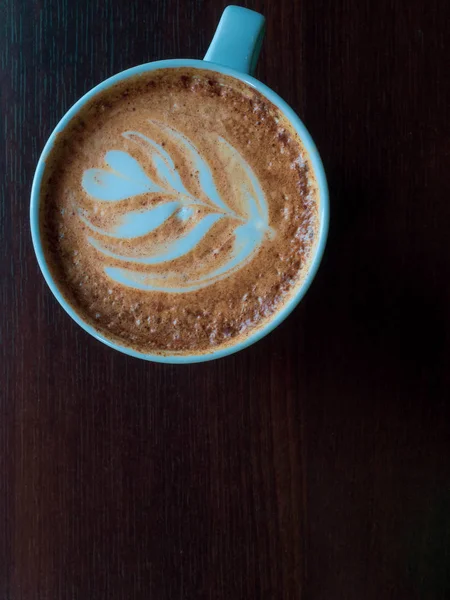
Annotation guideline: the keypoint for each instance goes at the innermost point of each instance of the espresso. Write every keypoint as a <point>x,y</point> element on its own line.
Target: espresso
<point>179,212</point>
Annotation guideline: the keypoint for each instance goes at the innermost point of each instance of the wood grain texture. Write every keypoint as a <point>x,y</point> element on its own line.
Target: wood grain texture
<point>314,465</point>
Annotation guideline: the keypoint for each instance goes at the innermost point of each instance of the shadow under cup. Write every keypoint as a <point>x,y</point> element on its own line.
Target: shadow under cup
<point>314,161</point>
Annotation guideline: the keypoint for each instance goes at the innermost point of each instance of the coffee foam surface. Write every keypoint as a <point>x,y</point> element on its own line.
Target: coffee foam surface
<point>179,211</point>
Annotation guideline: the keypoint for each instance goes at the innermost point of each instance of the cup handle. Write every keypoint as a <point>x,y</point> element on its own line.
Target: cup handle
<point>238,39</point>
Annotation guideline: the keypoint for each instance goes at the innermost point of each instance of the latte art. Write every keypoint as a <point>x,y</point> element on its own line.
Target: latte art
<point>179,212</point>
<point>171,199</point>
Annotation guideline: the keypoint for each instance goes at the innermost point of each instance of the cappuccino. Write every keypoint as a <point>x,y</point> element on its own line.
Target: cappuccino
<point>179,212</point>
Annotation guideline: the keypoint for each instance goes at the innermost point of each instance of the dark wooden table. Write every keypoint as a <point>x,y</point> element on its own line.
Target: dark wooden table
<point>314,465</point>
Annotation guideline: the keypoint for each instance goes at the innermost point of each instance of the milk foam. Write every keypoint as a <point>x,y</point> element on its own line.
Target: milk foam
<point>125,177</point>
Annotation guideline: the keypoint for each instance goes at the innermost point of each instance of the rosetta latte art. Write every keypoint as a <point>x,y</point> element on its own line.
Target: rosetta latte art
<point>152,266</point>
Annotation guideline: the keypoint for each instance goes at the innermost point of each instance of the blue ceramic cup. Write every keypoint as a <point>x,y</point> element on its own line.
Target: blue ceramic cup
<point>233,52</point>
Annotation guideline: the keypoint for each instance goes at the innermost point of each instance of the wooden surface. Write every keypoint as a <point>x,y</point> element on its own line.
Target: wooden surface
<point>314,465</point>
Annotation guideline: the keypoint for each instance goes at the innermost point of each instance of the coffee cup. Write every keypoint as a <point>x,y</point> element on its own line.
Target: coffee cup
<point>232,56</point>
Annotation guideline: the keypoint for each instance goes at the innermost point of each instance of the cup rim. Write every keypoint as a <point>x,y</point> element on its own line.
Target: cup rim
<point>314,158</point>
